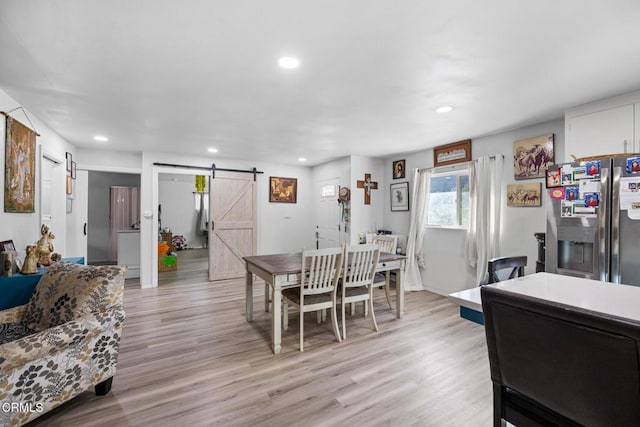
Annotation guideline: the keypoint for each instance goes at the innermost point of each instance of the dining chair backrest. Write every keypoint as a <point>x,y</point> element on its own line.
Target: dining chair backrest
<point>321,270</point>
<point>515,263</point>
<point>558,364</point>
<point>386,243</point>
<point>360,265</point>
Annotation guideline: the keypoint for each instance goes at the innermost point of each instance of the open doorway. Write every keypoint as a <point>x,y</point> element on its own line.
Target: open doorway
<point>113,220</point>
<point>183,217</point>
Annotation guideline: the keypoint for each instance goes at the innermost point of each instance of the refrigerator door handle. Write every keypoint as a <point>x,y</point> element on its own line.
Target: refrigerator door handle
<point>615,225</point>
<point>603,233</point>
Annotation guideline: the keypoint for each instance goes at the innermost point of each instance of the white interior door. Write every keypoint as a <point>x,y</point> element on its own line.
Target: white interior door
<point>328,225</point>
<point>78,218</point>
<point>233,223</point>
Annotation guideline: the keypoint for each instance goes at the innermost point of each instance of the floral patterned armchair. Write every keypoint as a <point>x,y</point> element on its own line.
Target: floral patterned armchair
<point>62,342</point>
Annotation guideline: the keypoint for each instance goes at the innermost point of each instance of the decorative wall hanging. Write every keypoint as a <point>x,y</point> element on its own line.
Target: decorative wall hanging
<point>532,156</point>
<point>368,185</point>
<point>69,184</point>
<point>344,196</point>
<point>283,190</point>
<point>457,152</point>
<point>399,169</point>
<point>201,183</point>
<point>524,195</point>
<point>400,196</point>
<point>20,167</point>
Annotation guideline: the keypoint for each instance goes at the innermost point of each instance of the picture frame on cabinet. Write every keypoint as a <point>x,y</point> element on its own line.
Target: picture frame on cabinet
<point>7,245</point>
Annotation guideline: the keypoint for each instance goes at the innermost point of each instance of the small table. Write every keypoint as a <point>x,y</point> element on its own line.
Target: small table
<point>282,271</point>
<point>16,289</point>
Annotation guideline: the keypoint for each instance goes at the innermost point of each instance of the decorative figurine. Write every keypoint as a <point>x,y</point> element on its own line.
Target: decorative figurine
<point>45,247</point>
<point>29,265</point>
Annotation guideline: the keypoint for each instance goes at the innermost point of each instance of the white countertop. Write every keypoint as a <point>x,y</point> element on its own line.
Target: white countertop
<point>609,298</point>
<point>128,231</point>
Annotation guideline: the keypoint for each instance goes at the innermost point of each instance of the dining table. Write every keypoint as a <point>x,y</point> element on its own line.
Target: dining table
<point>282,271</point>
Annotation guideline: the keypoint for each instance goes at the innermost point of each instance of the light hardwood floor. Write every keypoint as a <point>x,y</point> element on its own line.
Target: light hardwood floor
<point>188,357</point>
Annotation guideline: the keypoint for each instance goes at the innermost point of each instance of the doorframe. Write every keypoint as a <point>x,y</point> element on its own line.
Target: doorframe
<point>114,169</point>
<point>152,240</point>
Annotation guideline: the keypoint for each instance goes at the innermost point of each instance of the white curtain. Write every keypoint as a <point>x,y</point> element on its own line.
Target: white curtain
<point>415,239</point>
<point>485,193</point>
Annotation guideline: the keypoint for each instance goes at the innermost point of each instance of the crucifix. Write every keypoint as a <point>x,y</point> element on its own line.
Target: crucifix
<point>368,185</point>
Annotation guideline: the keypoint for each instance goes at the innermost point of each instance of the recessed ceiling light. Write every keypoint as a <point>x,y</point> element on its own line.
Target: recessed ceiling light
<point>288,62</point>
<point>444,109</point>
<point>101,138</point>
<point>212,150</point>
<point>302,159</point>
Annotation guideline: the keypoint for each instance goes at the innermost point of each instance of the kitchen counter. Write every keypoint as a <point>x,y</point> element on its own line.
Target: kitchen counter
<point>604,297</point>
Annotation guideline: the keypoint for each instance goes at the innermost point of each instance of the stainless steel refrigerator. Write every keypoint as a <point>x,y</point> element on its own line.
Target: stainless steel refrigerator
<point>593,219</point>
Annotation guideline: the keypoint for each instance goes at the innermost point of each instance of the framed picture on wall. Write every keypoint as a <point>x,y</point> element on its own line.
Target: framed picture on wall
<point>283,190</point>
<point>532,156</point>
<point>399,169</point>
<point>69,160</point>
<point>73,170</point>
<point>400,196</point>
<point>457,152</point>
<point>524,195</point>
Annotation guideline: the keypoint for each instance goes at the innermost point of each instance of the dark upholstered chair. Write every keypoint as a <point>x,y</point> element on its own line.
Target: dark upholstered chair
<point>515,263</point>
<point>554,364</point>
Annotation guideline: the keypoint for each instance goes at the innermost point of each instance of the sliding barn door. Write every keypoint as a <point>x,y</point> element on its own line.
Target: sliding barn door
<point>232,231</point>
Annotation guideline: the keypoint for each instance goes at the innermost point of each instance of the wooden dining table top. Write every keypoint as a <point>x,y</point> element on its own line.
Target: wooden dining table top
<point>292,263</point>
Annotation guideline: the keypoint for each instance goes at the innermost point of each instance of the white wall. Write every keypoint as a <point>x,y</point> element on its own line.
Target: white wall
<point>100,209</point>
<point>175,194</point>
<point>24,228</point>
<point>103,159</point>
<point>367,218</point>
<point>446,270</point>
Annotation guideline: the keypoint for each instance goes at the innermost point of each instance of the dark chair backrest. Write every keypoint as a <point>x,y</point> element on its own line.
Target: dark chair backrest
<point>560,365</point>
<point>516,263</point>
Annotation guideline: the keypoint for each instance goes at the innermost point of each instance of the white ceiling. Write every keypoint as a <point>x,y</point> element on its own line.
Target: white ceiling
<point>182,76</point>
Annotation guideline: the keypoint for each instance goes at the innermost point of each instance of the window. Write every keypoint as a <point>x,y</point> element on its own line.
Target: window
<point>449,199</point>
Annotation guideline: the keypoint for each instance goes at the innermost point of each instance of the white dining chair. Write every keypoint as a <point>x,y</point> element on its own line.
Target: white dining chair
<point>319,283</point>
<point>386,244</point>
<point>357,279</point>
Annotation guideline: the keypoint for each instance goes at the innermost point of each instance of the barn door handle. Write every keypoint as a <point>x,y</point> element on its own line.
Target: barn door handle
<point>85,229</point>
<point>213,226</point>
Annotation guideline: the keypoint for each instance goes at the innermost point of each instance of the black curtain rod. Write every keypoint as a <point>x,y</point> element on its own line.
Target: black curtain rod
<point>213,169</point>
<point>183,166</point>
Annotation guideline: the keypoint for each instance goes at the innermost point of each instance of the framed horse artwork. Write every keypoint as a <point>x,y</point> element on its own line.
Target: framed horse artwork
<point>532,156</point>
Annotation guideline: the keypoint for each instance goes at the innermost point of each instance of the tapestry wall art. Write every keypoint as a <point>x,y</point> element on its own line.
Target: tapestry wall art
<point>19,168</point>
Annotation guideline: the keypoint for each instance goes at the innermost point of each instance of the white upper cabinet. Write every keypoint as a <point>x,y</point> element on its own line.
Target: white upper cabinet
<point>604,127</point>
<point>604,132</point>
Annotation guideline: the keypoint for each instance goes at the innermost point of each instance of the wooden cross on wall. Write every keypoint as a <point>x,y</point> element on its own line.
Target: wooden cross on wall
<point>368,185</point>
